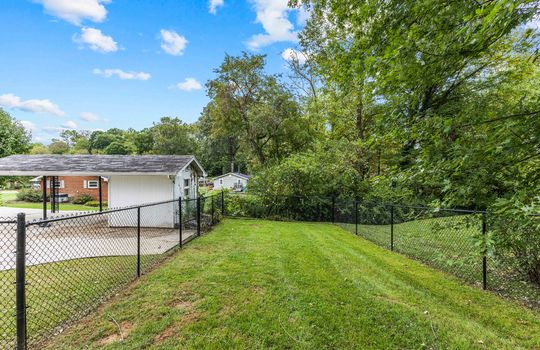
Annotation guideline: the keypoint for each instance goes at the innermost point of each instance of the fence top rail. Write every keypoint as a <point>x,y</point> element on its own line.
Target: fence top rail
<point>439,209</point>
<point>108,211</point>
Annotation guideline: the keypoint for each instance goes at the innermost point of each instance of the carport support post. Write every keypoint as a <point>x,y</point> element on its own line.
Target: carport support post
<point>139,242</point>
<point>180,222</point>
<point>44,197</point>
<point>484,258</point>
<point>100,194</point>
<point>20,281</point>
<point>198,215</point>
<point>392,228</point>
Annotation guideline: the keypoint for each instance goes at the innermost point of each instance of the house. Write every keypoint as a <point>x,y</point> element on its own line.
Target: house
<point>132,180</point>
<point>231,181</point>
<point>73,186</point>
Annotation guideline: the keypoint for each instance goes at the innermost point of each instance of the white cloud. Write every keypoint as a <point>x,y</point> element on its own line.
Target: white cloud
<point>70,124</point>
<point>75,11</point>
<point>302,16</point>
<point>33,105</point>
<point>289,53</point>
<point>29,126</point>
<point>189,84</point>
<point>172,42</point>
<point>107,73</point>
<point>89,117</point>
<point>96,40</point>
<point>213,5</point>
<point>534,24</point>
<point>273,16</point>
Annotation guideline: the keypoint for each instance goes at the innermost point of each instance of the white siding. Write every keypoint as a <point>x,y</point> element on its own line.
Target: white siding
<point>228,182</point>
<point>129,190</point>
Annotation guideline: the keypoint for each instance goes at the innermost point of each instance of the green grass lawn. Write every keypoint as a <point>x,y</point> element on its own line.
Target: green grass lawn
<point>8,198</point>
<point>261,284</point>
<point>63,206</point>
<point>8,195</point>
<point>63,291</point>
<point>450,244</point>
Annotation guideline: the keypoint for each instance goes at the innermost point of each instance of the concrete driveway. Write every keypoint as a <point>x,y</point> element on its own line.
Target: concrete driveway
<point>78,238</point>
<point>31,214</point>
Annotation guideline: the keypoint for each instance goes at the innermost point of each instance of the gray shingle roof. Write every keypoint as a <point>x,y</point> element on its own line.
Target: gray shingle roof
<point>95,164</point>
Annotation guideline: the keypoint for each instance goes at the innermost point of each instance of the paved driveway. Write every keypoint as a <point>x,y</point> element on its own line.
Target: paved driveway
<point>83,238</point>
<point>31,214</point>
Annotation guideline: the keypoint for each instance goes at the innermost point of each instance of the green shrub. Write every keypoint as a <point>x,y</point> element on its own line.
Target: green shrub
<point>30,195</point>
<point>82,198</point>
<point>95,204</point>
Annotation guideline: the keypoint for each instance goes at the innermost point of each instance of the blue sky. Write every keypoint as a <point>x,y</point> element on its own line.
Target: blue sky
<point>98,64</point>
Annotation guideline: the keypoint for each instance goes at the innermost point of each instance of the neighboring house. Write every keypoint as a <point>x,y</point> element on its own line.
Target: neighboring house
<point>74,186</point>
<point>231,181</point>
<point>132,180</point>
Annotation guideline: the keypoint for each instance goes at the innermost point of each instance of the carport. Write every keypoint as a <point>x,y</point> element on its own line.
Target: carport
<point>133,180</point>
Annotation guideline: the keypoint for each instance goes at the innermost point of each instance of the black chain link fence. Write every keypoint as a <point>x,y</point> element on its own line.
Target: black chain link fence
<point>71,264</point>
<point>452,240</point>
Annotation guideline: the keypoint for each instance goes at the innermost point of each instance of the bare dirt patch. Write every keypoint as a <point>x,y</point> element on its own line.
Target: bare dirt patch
<point>167,333</point>
<point>122,332</point>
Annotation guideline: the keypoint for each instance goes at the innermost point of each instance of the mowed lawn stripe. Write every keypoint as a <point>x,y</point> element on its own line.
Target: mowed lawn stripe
<point>264,284</point>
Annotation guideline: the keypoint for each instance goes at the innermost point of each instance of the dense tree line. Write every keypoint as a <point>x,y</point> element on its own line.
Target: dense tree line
<point>426,102</point>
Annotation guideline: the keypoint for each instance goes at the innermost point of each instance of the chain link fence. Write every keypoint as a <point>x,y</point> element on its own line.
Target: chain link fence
<point>55,271</point>
<point>455,241</point>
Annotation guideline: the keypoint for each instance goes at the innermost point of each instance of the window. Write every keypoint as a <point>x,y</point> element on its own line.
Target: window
<point>186,193</point>
<point>221,181</point>
<point>57,184</point>
<point>186,182</point>
<point>92,184</point>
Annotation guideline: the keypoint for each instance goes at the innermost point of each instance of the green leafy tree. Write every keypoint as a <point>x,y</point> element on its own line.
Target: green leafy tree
<point>117,147</point>
<point>14,139</point>
<point>172,136</point>
<point>257,109</point>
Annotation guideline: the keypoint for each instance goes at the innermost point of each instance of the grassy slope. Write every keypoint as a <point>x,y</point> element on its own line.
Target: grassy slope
<point>261,284</point>
<point>59,292</point>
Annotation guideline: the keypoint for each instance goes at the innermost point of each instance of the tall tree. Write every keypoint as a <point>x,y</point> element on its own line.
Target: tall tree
<point>254,105</point>
<point>14,139</point>
<point>172,136</point>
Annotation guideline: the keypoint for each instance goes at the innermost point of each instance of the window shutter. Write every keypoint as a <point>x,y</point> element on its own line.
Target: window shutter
<point>85,184</point>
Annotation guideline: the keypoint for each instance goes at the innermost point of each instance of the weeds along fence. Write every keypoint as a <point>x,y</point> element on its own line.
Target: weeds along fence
<point>456,241</point>
<point>55,271</point>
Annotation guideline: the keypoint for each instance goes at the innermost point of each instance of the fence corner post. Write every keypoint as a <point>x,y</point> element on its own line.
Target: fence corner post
<point>392,228</point>
<point>356,217</point>
<point>180,222</point>
<point>222,202</point>
<point>198,215</point>
<point>212,211</point>
<point>138,241</point>
<point>333,209</point>
<point>20,281</point>
<point>484,255</point>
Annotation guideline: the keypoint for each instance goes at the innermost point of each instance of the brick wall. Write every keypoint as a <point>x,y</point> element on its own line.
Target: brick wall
<point>74,186</point>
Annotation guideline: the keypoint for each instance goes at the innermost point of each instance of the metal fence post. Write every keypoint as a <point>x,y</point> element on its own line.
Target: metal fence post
<point>484,257</point>
<point>356,217</point>
<point>212,211</point>
<point>222,203</point>
<point>138,241</point>
<point>198,216</point>
<point>392,228</point>
<point>180,222</point>
<point>333,209</point>
<point>20,281</point>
